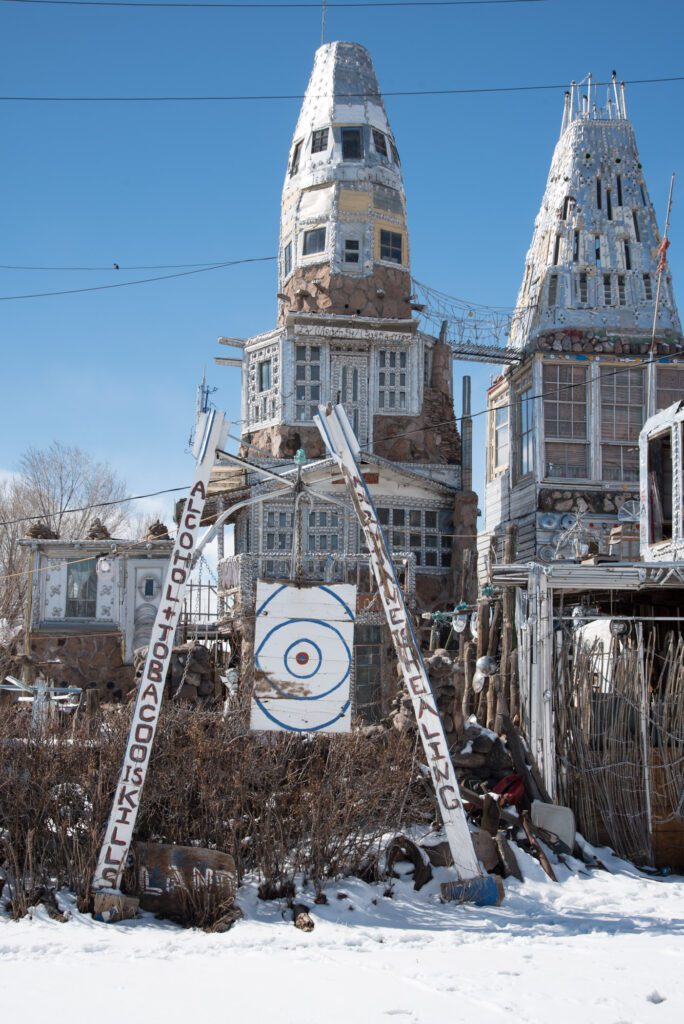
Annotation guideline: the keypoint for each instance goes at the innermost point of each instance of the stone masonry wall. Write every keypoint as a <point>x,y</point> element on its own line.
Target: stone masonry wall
<point>385,293</point>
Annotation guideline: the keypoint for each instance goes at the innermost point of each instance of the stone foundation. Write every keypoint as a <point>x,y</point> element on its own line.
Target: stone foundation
<point>600,342</point>
<point>384,293</point>
<point>601,502</point>
<point>91,662</point>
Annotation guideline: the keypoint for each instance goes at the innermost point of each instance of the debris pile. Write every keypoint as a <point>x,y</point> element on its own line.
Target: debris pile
<point>192,673</point>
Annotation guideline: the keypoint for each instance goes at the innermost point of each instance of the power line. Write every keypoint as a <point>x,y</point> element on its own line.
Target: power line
<point>142,280</point>
<point>389,437</point>
<point>120,266</point>
<point>274,6</point>
<point>259,97</point>
<point>97,504</point>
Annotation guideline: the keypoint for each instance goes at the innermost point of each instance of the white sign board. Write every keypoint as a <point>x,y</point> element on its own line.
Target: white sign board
<point>303,652</point>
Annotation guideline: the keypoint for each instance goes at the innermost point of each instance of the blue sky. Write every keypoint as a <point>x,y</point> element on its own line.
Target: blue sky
<point>138,184</point>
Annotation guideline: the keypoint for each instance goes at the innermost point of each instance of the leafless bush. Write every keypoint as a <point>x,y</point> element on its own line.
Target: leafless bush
<point>280,804</point>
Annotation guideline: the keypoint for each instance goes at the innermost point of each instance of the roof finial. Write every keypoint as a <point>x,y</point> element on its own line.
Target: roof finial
<point>322,22</point>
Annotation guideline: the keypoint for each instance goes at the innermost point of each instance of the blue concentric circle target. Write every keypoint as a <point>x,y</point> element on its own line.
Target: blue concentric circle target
<point>306,669</point>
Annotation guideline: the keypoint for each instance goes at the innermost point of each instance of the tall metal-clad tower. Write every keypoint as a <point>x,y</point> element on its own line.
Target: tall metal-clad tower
<point>346,332</point>
<point>563,425</point>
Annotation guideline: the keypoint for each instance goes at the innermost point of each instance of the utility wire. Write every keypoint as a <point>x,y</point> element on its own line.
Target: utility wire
<point>142,280</point>
<point>389,437</point>
<point>120,266</point>
<point>273,6</point>
<point>300,96</point>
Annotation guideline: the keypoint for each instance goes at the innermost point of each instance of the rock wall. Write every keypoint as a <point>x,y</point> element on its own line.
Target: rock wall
<point>314,289</point>
<point>91,662</point>
<point>596,502</point>
<point>601,342</point>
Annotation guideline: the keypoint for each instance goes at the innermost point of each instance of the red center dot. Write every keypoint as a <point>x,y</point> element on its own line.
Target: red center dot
<point>302,658</point>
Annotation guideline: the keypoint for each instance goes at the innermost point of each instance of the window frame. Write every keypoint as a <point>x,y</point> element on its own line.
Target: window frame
<point>320,140</point>
<point>308,234</point>
<point>295,158</point>
<point>381,150</point>
<point>308,378</point>
<point>524,429</point>
<point>419,530</point>
<point>627,448</point>
<point>348,131</point>
<point>565,413</point>
<point>287,259</point>
<point>75,567</point>
<point>388,245</point>
<point>353,242</point>
<point>393,364</point>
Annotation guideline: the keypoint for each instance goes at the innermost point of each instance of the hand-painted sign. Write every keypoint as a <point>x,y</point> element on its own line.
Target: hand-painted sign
<point>119,833</point>
<point>340,440</point>
<point>303,647</point>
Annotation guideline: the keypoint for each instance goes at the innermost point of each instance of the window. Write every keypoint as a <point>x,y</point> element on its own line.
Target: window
<point>287,259</point>
<point>263,383</point>
<point>351,250</point>
<point>307,381</point>
<point>566,206</point>
<point>427,533</point>
<point>352,145</point>
<point>392,379</point>
<point>648,288</point>
<point>556,251</point>
<point>566,448</point>
<point>643,194</point>
<point>278,530</point>
<point>368,672</point>
<point>669,385</point>
<point>619,189</point>
<point>314,241</point>
<point>265,375</point>
<point>81,589</point>
<point>319,140</point>
<point>609,205</point>
<point>390,246</point>
<point>395,152</point>
<point>148,588</point>
<point>576,247</point>
<point>294,163</point>
<point>622,416</point>
<point>323,531</point>
<point>525,460</point>
<point>597,250</point>
<point>635,221</point>
<point>607,289</point>
<point>660,488</point>
<point>582,287</point>
<point>380,142</point>
<point>553,290</point>
<point>500,438</point>
<point>622,296</point>
<point>389,199</point>
<point>628,255</point>
<point>598,193</point>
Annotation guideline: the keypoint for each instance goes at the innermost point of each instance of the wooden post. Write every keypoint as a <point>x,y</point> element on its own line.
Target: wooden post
<point>508,625</point>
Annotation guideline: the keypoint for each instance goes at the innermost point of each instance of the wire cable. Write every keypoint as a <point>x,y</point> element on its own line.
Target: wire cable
<point>258,97</point>
<point>116,267</point>
<point>184,4</point>
<point>142,280</point>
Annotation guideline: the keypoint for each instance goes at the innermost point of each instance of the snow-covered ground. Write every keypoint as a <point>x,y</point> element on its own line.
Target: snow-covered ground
<point>597,947</point>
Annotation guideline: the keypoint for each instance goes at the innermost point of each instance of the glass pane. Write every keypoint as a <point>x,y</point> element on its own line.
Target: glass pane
<point>399,517</point>
<point>431,520</point>
<point>414,518</point>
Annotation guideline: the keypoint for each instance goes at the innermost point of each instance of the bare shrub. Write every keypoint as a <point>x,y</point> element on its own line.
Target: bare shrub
<point>281,804</point>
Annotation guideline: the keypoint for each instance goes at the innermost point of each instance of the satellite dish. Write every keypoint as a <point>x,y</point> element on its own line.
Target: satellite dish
<point>459,623</point>
<point>630,512</point>
<point>548,521</point>
<point>547,552</point>
<point>568,521</point>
